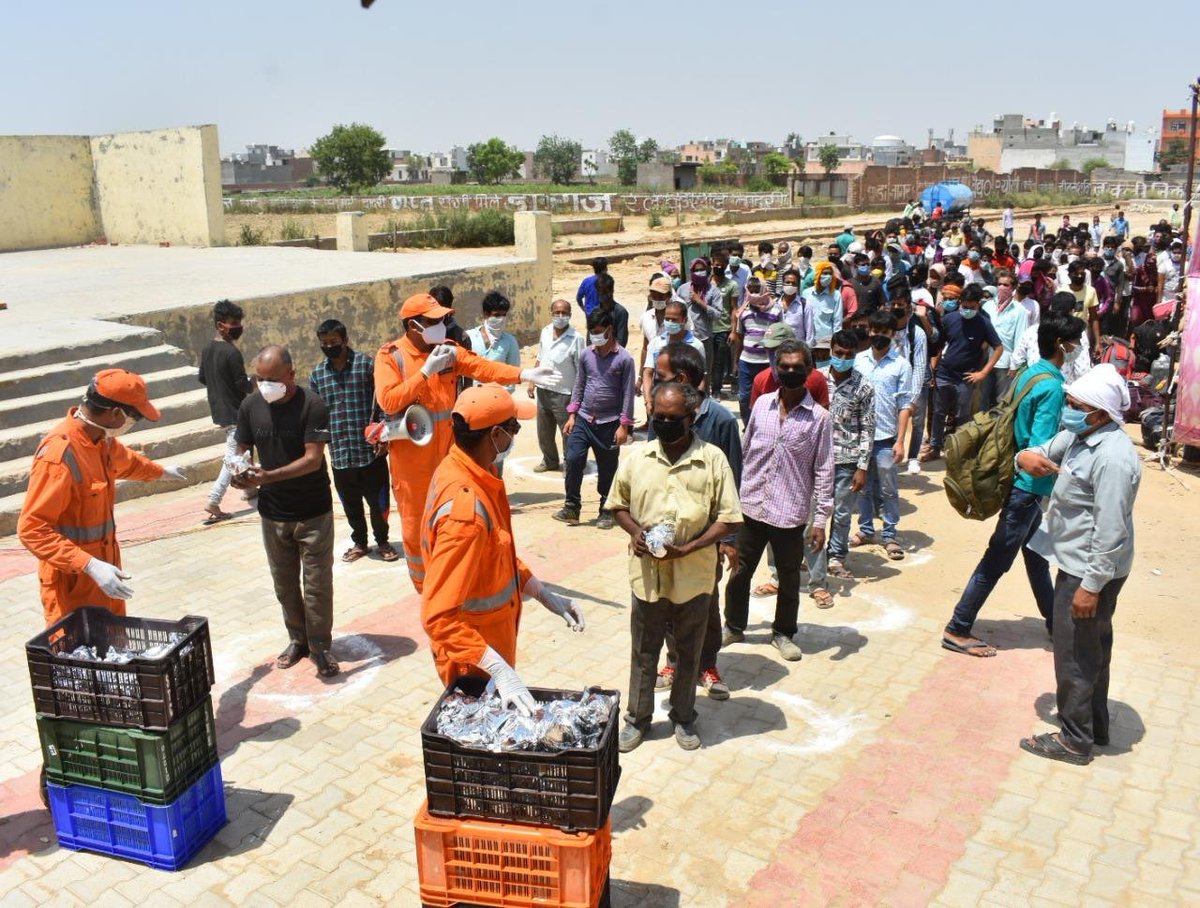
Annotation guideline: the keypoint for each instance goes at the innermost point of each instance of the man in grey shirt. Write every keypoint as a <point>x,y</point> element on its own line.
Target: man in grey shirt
<point>1088,531</point>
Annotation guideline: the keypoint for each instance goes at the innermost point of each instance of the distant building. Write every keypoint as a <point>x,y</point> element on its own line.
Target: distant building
<point>1017,141</point>
<point>260,164</point>
<point>1176,128</point>
<point>448,161</point>
<point>848,151</point>
<point>408,167</point>
<point>707,151</point>
<point>659,177</point>
<point>595,164</point>
<point>892,151</point>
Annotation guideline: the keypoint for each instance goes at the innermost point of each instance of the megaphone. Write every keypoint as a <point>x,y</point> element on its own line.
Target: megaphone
<point>415,425</point>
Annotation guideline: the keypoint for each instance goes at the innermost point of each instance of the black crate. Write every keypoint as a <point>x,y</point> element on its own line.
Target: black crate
<point>572,790</point>
<point>143,693</point>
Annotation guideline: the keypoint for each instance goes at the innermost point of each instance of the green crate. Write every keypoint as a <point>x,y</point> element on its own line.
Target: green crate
<point>155,766</point>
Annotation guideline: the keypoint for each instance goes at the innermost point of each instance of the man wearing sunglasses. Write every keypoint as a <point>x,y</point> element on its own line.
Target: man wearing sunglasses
<point>67,519</point>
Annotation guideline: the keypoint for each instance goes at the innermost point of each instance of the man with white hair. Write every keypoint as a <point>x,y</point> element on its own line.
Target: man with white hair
<point>1088,531</point>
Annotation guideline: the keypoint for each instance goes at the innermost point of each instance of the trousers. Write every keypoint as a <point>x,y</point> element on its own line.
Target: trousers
<point>221,484</point>
<point>648,623</point>
<point>788,544</point>
<point>597,438</point>
<point>951,408</point>
<point>355,485</point>
<point>551,417</point>
<point>300,555</point>
<point>881,496</point>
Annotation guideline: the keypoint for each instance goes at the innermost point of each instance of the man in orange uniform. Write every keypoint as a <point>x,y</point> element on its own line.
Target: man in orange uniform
<point>420,367</point>
<point>67,519</point>
<point>471,605</point>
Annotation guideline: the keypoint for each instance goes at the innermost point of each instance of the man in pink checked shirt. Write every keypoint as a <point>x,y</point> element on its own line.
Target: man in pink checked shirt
<point>787,495</point>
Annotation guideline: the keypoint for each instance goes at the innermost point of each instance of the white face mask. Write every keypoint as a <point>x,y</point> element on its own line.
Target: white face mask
<point>1069,356</point>
<point>125,426</point>
<point>790,289</point>
<point>560,321</point>
<point>496,323</point>
<point>500,455</point>
<point>598,340</point>
<point>660,305</point>
<point>272,391</point>
<point>434,334</point>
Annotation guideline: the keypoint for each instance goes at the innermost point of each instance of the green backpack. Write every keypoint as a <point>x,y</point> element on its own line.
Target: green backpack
<point>979,457</point>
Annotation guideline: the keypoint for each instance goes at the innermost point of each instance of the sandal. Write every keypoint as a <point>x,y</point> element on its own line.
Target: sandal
<point>215,517</point>
<point>770,588</point>
<point>387,552</point>
<point>326,666</point>
<point>969,649</point>
<point>894,551</point>
<point>927,454</point>
<point>839,570</point>
<point>1052,748</point>
<point>354,553</point>
<point>858,540</point>
<point>823,598</point>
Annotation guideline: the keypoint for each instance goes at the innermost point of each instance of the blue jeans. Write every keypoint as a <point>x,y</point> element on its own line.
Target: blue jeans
<point>598,438</point>
<point>920,408</point>
<point>951,409</point>
<point>843,510</point>
<point>880,495</point>
<point>1018,521</point>
<point>746,373</point>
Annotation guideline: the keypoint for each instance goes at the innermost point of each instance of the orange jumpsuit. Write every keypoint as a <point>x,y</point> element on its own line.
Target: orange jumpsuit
<point>67,518</point>
<point>472,598</point>
<point>398,385</point>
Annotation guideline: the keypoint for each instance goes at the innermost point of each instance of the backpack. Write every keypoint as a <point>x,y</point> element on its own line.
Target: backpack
<point>979,457</point>
<point>1119,354</point>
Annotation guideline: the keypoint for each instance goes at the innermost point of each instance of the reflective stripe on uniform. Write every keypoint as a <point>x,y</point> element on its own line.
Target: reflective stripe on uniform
<point>88,534</point>
<point>449,506</point>
<point>490,603</point>
<point>416,566</point>
<point>72,464</point>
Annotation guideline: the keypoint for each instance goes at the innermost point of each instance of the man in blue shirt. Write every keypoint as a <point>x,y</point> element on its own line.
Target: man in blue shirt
<point>346,382</point>
<point>1036,422</point>
<point>1120,226</point>
<point>961,366</point>
<point>587,296</point>
<point>891,375</point>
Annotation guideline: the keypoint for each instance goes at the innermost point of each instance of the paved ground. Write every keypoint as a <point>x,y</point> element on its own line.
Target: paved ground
<point>879,770</point>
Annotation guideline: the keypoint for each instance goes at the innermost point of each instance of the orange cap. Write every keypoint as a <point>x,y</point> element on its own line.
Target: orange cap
<point>423,304</point>
<point>484,406</point>
<point>126,388</point>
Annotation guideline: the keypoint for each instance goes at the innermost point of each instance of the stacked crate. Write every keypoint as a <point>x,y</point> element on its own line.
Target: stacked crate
<point>520,829</point>
<point>130,749</point>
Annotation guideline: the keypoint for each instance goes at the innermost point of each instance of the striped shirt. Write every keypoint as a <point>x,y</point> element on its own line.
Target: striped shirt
<point>787,464</point>
<point>752,324</point>
<point>852,410</point>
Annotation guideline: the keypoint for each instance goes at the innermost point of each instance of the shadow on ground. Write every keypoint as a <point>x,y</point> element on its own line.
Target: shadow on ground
<point>585,597</point>
<point>628,894</point>
<point>817,638</point>
<point>740,716</point>
<point>630,813</point>
<point>252,815</point>
<point>1125,726</point>
<point>27,832</point>
<point>1022,633</point>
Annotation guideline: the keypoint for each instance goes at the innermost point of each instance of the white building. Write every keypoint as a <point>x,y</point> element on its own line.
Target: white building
<point>596,164</point>
<point>448,161</point>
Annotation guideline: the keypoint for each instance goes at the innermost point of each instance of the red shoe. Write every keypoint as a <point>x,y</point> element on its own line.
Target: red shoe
<point>717,689</point>
<point>666,677</point>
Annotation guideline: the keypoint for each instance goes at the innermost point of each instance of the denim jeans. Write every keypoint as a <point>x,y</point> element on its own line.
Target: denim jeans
<point>719,371</point>
<point>951,408</point>
<point>880,496</point>
<point>920,409</point>
<point>221,486</point>
<point>598,438</point>
<point>843,510</point>
<point>1018,521</point>
<point>746,373</point>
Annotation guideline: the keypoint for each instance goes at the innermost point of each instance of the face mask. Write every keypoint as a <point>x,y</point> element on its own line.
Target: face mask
<point>842,364</point>
<point>792,380</point>
<point>864,269</point>
<point>790,289</point>
<point>734,261</point>
<point>500,455</point>
<point>881,343</point>
<point>826,280</point>
<point>127,422</point>
<point>1069,356</point>
<point>974,256</point>
<point>598,340</point>
<point>764,260</point>
<point>235,333</point>
<point>659,305</point>
<point>434,334</point>
<point>1110,253</point>
<point>669,430</point>
<point>949,305</point>
<point>970,313</point>
<point>672,327</point>
<point>272,391</point>
<point>560,321</point>
<point>718,274</point>
<point>1003,295</point>
<point>1074,420</point>
<point>823,363</point>
<point>333,352</point>
<point>699,275</point>
<point>495,323</point>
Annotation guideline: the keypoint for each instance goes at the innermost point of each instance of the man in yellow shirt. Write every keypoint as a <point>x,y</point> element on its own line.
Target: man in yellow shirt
<point>680,480</point>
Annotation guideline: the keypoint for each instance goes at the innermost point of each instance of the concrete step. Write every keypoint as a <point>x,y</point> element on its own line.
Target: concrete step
<point>162,443</point>
<point>105,339</point>
<point>39,407</point>
<point>201,467</point>
<point>77,373</point>
<point>21,441</point>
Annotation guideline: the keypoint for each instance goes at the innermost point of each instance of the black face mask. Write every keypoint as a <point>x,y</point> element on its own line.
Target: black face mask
<point>333,352</point>
<point>879,342</point>
<point>792,380</point>
<point>669,430</point>
<point>235,333</point>
<point>861,334</point>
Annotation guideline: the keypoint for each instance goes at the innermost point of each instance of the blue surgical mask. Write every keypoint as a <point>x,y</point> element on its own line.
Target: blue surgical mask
<point>672,327</point>
<point>826,280</point>
<point>735,261</point>
<point>1074,420</point>
<point>949,305</point>
<point>864,269</point>
<point>841,364</point>
<point>969,313</point>
<point>823,363</point>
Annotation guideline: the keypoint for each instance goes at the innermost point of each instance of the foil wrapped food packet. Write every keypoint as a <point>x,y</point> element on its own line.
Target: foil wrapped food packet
<point>118,655</point>
<point>658,537</point>
<point>557,725</point>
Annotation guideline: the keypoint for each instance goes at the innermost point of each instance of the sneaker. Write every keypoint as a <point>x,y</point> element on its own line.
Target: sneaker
<point>914,466</point>
<point>569,516</point>
<point>631,736</point>
<point>544,467</point>
<point>717,689</point>
<point>605,521</point>
<point>686,737</point>
<point>787,648</point>
<point>666,677</point>
<point>730,636</point>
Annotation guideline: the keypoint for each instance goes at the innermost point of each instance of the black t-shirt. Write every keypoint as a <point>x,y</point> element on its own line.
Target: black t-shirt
<point>223,374</point>
<point>279,432</point>
<point>869,294</point>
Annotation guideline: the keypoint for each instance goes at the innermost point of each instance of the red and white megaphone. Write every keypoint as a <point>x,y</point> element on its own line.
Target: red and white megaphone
<point>415,425</point>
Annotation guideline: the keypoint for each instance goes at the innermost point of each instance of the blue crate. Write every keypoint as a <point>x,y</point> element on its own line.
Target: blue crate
<point>163,836</point>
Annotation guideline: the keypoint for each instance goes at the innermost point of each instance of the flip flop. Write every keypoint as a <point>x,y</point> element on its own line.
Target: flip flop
<point>823,598</point>
<point>966,648</point>
<point>353,554</point>
<point>894,551</point>
<point>840,571</point>
<point>387,553</point>
<point>216,518</point>
<point>1050,747</point>
<point>765,589</point>
<point>858,540</point>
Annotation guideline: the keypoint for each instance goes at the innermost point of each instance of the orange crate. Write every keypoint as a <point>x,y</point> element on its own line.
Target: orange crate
<point>503,865</point>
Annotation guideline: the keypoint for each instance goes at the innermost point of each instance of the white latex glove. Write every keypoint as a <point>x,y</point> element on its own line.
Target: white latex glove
<point>175,473</point>
<point>440,357</point>
<point>508,683</point>
<point>109,578</point>
<point>562,606</point>
<point>542,376</point>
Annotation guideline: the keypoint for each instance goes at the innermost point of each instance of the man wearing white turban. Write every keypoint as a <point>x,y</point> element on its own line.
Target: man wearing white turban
<point>1088,532</point>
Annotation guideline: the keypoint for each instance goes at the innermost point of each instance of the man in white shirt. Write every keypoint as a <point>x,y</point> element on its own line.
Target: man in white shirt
<point>1079,360</point>
<point>1009,222</point>
<point>560,346</point>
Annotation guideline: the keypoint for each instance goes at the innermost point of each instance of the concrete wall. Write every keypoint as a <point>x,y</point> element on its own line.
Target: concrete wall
<point>609,224</point>
<point>46,196</point>
<point>159,186</point>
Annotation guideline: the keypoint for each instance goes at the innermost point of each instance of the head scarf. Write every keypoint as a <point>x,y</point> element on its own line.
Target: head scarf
<point>1102,387</point>
<point>951,291</point>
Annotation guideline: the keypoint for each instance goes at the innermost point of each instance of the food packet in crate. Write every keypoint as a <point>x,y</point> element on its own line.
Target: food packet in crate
<point>658,537</point>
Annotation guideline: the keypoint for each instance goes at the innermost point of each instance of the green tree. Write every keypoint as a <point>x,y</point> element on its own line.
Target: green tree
<point>1061,164</point>
<point>776,164</point>
<point>1091,165</point>
<point>493,161</point>
<point>352,157</point>
<point>557,158</point>
<point>626,153</point>
<point>1175,153</point>
<point>829,158</point>
<point>722,174</point>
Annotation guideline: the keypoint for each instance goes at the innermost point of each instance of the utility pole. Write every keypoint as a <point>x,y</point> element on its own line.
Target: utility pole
<point>1190,186</point>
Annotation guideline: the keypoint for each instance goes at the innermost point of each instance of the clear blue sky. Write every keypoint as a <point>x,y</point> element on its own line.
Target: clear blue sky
<point>433,74</point>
